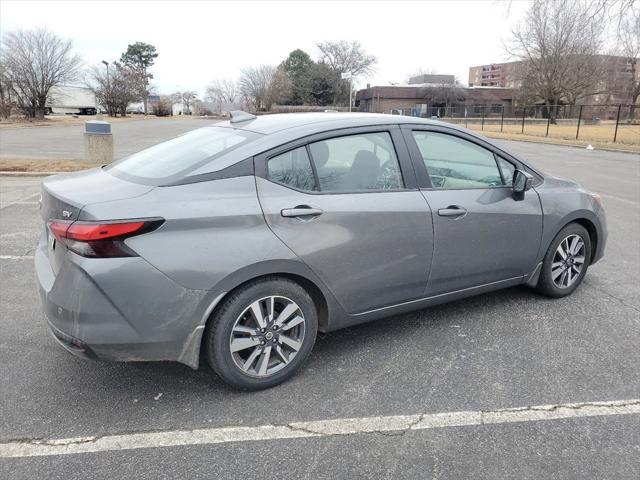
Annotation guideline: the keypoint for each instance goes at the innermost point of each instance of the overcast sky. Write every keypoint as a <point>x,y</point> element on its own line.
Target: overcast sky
<point>201,41</point>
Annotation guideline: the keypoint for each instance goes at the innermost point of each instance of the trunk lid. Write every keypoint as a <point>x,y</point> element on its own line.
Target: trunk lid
<point>64,196</point>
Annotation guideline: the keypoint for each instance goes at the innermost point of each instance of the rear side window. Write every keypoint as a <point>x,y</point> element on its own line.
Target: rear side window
<point>292,168</point>
<point>173,159</point>
<point>357,162</point>
<point>453,162</point>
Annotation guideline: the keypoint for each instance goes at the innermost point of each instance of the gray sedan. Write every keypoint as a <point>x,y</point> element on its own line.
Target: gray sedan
<point>236,243</point>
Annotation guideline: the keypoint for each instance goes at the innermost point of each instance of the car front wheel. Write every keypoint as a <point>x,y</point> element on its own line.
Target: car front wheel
<point>566,261</point>
<point>262,333</point>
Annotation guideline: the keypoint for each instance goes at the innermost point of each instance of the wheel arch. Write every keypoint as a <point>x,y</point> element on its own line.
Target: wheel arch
<point>593,234</point>
<point>327,306</point>
<point>312,289</point>
<point>586,219</point>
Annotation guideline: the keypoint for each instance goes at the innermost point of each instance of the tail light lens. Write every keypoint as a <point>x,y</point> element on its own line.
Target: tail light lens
<point>101,239</point>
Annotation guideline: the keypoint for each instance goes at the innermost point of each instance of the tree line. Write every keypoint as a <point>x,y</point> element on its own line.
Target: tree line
<point>34,62</point>
<point>559,47</point>
<point>297,80</point>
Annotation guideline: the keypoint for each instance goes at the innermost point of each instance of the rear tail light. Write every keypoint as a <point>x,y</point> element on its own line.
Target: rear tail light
<point>101,239</point>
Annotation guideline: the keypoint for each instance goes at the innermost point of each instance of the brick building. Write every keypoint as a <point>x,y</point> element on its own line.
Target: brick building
<point>432,79</point>
<point>494,75</point>
<point>614,84</point>
<point>427,100</point>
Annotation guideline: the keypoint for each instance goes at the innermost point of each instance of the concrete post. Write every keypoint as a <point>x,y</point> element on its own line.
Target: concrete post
<point>98,142</point>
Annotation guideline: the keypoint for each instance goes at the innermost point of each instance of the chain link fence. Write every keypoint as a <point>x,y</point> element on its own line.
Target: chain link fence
<point>597,123</point>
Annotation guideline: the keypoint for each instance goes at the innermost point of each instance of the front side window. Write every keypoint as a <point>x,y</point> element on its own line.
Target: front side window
<point>292,168</point>
<point>453,162</point>
<point>175,158</point>
<point>365,161</point>
<point>508,170</point>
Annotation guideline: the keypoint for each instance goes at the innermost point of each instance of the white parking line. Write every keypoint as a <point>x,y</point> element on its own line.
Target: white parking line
<point>319,428</point>
<point>16,257</point>
<point>624,200</point>
<point>20,200</point>
<point>2,204</point>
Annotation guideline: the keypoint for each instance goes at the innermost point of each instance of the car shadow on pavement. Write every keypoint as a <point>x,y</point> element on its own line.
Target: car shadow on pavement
<point>330,348</point>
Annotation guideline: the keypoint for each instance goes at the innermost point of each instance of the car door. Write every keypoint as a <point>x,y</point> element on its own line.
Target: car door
<point>347,204</point>
<point>483,232</point>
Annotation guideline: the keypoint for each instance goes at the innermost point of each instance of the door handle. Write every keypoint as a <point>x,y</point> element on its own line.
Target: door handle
<point>301,211</point>
<point>452,211</point>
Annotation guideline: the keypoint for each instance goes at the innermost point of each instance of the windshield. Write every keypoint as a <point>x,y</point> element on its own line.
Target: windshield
<point>173,159</point>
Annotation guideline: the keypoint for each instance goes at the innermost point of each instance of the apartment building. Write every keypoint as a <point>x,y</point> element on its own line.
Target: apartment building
<point>494,75</point>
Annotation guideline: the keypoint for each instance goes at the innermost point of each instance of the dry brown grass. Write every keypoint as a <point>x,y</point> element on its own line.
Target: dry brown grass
<point>42,165</point>
<point>600,136</point>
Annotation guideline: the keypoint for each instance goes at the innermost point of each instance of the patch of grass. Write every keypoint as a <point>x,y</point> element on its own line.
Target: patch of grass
<point>43,165</point>
<point>599,136</point>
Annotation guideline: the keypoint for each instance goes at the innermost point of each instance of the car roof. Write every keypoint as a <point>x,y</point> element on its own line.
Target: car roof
<point>272,123</point>
<point>281,128</point>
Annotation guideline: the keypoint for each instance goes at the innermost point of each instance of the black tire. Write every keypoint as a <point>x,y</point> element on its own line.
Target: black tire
<point>220,328</point>
<point>546,285</point>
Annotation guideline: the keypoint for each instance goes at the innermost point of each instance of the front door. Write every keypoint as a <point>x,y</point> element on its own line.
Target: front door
<point>483,233</point>
<point>346,208</point>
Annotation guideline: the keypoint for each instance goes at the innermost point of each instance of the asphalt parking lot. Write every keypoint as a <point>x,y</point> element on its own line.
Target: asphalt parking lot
<point>502,350</point>
<point>66,141</point>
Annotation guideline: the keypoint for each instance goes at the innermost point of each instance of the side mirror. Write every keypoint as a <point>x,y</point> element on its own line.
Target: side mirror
<point>522,181</point>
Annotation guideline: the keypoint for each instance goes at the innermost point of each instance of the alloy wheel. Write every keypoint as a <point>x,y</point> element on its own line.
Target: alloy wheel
<point>267,336</point>
<point>568,261</point>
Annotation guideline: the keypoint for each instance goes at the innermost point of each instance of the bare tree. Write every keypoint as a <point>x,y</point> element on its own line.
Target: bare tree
<point>6,103</point>
<point>629,45</point>
<point>186,98</point>
<point>280,88</point>
<point>347,57</point>
<point>33,62</point>
<point>114,87</point>
<point>448,93</point>
<point>254,85</point>
<point>162,107</point>
<point>263,86</point>
<point>558,45</point>
<point>223,94</point>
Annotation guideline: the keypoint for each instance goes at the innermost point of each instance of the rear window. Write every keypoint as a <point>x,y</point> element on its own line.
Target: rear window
<point>172,160</point>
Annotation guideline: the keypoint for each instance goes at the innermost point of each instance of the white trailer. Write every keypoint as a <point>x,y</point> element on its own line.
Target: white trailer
<point>72,100</point>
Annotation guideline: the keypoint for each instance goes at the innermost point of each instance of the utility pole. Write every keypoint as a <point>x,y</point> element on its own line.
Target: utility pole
<point>349,76</point>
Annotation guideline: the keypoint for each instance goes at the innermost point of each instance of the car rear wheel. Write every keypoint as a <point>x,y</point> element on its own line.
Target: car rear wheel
<point>566,261</point>
<point>262,333</point>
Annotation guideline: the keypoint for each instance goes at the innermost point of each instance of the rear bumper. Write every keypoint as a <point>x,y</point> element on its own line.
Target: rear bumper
<point>72,345</point>
<point>119,309</point>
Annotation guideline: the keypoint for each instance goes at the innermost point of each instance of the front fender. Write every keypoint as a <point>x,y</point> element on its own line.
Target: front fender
<point>553,223</point>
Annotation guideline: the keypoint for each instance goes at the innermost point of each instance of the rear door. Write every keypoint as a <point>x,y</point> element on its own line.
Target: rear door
<point>347,204</point>
<point>483,233</point>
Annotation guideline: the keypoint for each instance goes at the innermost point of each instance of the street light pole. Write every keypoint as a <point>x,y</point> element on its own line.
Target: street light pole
<point>108,93</point>
<point>108,82</point>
